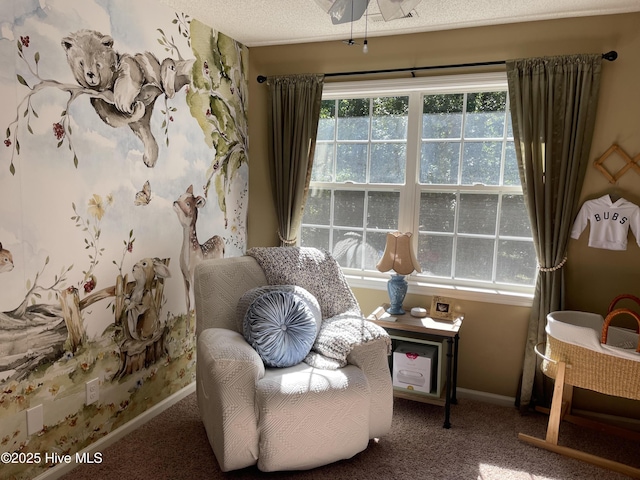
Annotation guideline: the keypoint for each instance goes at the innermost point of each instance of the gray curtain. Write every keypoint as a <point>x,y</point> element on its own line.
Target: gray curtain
<point>295,112</point>
<point>553,111</point>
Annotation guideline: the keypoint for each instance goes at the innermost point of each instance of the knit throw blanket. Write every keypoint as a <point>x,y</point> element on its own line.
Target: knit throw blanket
<point>343,326</point>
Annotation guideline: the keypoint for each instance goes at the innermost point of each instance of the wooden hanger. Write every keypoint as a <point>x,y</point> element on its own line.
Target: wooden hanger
<point>630,163</point>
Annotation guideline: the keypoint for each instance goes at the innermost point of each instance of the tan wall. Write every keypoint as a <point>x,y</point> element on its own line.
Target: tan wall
<point>492,337</point>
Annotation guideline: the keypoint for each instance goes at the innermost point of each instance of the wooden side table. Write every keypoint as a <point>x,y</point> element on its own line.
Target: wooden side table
<point>425,330</point>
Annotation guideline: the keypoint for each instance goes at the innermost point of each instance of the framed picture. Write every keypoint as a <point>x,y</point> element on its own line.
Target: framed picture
<point>442,308</point>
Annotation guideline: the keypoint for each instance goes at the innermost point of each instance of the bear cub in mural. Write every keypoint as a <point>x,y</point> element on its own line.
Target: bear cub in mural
<point>134,80</point>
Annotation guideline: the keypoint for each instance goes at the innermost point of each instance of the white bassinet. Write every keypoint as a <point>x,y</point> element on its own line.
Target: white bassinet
<point>584,351</point>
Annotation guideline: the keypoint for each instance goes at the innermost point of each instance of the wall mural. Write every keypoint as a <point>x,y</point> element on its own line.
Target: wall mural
<point>124,164</point>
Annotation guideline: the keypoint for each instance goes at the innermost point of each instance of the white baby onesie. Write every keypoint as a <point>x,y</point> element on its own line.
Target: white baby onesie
<point>610,222</point>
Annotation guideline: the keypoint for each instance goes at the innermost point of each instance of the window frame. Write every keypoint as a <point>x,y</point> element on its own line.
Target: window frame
<point>415,88</point>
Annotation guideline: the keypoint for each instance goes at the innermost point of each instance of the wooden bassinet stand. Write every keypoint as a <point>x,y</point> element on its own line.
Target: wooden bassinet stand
<point>572,365</point>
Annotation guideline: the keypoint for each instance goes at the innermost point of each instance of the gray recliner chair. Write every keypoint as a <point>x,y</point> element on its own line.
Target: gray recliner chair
<point>298,417</point>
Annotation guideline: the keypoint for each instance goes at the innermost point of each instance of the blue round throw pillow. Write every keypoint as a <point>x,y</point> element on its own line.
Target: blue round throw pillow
<point>281,327</point>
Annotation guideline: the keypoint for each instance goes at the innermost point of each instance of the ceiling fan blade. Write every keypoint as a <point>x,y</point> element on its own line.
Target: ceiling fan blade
<point>392,9</point>
<point>344,11</point>
<point>325,4</point>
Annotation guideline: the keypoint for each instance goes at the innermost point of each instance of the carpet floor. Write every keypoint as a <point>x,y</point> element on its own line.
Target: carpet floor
<point>482,444</point>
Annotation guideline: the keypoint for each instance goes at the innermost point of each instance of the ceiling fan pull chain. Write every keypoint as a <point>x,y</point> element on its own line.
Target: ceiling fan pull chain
<point>351,42</point>
<point>365,47</point>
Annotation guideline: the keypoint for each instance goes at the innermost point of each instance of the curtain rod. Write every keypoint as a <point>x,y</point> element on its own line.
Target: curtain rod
<point>611,56</point>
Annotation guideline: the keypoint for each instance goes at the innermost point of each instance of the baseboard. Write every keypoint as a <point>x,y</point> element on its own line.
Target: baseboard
<point>622,422</point>
<point>486,397</point>
<point>64,468</point>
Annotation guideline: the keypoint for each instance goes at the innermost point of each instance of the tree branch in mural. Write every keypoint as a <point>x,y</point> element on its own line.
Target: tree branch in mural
<point>218,100</point>
<point>182,21</point>
<point>35,291</point>
<point>33,334</point>
<point>128,248</point>
<point>36,334</point>
<point>122,88</point>
<point>96,208</point>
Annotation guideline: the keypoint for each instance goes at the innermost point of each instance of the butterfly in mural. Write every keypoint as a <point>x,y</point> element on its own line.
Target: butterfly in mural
<point>143,197</point>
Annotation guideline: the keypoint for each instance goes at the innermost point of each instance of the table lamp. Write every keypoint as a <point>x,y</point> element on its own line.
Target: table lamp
<point>398,256</point>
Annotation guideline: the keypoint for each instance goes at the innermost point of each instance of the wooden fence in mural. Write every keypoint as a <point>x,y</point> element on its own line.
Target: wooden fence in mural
<point>135,354</point>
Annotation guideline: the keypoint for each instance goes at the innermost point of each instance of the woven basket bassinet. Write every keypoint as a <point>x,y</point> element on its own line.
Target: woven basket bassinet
<point>593,370</point>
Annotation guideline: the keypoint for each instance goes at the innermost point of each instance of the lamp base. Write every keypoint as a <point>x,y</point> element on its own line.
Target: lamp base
<point>397,288</point>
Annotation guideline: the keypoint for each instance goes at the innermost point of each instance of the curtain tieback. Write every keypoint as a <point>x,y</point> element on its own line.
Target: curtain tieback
<point>285,241</point>
<point>555,267</point>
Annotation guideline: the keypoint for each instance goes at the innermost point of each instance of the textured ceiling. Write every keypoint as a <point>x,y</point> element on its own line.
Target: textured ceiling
<point>274,22</point>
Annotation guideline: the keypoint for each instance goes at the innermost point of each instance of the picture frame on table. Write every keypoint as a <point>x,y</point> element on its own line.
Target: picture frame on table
<point>442,308</point>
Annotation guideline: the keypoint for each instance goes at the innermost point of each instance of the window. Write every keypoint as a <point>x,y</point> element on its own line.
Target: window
<point>430,156</point>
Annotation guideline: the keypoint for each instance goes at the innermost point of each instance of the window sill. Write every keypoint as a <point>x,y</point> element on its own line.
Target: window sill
<point>487,295</point>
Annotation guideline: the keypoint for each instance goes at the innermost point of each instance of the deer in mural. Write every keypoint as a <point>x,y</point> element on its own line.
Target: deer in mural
<point>6,260</point>
<point>186,207</point>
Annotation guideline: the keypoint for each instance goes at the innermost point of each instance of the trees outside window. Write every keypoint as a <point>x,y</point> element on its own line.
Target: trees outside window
<point>430,156</point>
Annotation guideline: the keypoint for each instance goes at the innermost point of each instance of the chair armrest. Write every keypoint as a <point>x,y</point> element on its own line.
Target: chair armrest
<point>373,353</point>
<point>227,346</point>
<point>227,371</point>
<point>372,359</point>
